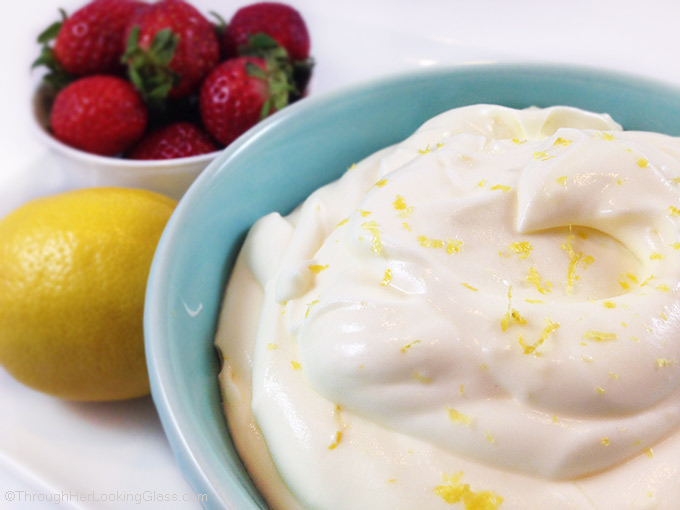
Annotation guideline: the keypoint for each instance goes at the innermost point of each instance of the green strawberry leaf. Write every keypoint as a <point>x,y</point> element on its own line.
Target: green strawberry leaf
<point>52,31</point>
<point>58,80</point>
<point>160,91</point>
<point>255,71</point>
<point>265,47</point>
<point>46,58</point>
<point>220,26</point>
<point>56,76</point>
<point>163,46</point>
<point>131,45</point>
<point>260,42</point>
<point>266,108</point>
<point>149,70</point>
<point>135,78</point>
<point>286,79</point>
<point>49,33</point>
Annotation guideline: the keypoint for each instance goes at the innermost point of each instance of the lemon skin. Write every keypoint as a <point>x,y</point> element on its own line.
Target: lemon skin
<point>73,273</point>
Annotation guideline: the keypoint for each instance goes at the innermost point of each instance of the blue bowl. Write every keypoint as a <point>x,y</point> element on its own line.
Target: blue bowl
<point>274,167</point>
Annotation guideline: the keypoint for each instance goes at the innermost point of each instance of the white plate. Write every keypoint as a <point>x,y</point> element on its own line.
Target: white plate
<point>56,454</point>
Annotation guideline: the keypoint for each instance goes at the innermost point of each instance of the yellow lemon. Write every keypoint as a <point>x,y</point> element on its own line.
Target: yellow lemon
<point>73,272</point>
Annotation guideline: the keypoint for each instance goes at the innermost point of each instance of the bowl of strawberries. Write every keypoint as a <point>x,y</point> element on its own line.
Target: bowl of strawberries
<point>145,95</point>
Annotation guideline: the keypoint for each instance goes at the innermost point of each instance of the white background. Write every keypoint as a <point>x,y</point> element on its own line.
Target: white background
<point>95,455</point>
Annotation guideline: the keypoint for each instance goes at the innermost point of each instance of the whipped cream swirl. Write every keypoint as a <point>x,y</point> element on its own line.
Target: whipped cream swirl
<point>503,287</point>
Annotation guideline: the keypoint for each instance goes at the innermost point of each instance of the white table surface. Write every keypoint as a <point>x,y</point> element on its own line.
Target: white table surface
<point>56,454</point>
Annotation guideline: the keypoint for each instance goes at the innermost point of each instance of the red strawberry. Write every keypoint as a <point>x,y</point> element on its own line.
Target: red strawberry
<point>279,21</point>
<point>240,92</point>
<point>89,41</point>
<point>99,114</point>
<point>171,47</point>
<point>177,140</point>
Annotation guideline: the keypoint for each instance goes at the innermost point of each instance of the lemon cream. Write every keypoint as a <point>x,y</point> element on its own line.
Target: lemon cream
<point>486,315</point>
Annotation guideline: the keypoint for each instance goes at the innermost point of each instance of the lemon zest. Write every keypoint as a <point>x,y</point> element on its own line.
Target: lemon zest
<point>421,378</point>
<point>453,246</point>
<point>599,336</point>
<point>376,243</point>
<point>387,278</point>
<point>409,345</point>
<point>511,315</point>
<point>535,278</point>
<point>430,243</point>
<point>549,328</point>
<point>543,156</point>
<point>310,305</point>
<point>458,417</point>
<point>522,248</point>
<point>453,492</point>
<point>336,441</point>
<point>606,136</point>
<point>317,268</point>
<point>501,187</point>
<point>399,203</point>
<point>574,259</point>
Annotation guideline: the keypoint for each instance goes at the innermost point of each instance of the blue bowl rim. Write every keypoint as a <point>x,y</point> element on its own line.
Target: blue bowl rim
<point>164,390</point>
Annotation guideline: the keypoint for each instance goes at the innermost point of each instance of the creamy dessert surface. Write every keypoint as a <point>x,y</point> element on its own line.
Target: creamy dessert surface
<point>485,315</point>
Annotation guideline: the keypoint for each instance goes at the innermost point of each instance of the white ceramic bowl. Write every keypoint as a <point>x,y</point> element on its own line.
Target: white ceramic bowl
<point>81,169</point>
